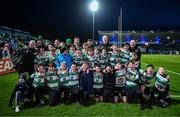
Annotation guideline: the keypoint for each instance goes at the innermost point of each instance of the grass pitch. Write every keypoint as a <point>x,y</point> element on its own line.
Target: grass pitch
<point>171,63</point>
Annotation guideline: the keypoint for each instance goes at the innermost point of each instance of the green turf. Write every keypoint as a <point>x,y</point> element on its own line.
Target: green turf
<point>100,109</point>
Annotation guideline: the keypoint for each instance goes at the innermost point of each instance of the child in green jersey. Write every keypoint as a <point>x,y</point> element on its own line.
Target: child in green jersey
<point>125,53</point>
<point>74,82</point>
<point>41,58</point>
<point>91,58</point>
<point>64,80</point>
<point>162,86</point>
<point>133,83</point>
<point>120,82</point>
<point>146,88</point>
<point>52,84</point>
<point>98,84</point>
<point>39,84</point>
<point>78,58</point>
<point>104,58</point>
<point>115,56</point>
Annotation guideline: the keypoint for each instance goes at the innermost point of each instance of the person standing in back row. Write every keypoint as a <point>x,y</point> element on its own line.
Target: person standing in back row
<point>135,49</point>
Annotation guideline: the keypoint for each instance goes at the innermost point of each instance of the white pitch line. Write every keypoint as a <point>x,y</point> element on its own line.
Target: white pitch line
<point>175,96</point>
<point>166,69</point>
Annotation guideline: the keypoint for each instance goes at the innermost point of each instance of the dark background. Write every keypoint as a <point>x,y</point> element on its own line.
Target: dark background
<point>68,18</point>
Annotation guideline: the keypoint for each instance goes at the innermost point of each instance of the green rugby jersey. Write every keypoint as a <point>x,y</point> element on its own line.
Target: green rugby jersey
<point>84,52</point>
<point>52,80</point>
<point>39,79</point>
<point>161,82</point>
<point>51,57</point>
<point>40,59</point>
<point>97,58</point>
<point>71,53</point>
<point>120,78</point>
<point>79,60</point>
<point>125,56</point>
<point>74,79</point>
<point>133,77</point>
<point>91,60</point>
<point>147,78</point>
<point>114,58</point>
<point>64,78</point>
<point>103,60</point>
<point>98,80</point>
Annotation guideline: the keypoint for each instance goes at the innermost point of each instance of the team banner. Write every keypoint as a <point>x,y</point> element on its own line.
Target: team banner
<point>6,66</point>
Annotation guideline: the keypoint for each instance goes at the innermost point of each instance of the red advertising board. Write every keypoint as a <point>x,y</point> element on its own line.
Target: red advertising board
<point>6,66</point>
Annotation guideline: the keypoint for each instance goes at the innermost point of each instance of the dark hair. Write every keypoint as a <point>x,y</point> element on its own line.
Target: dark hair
<point>126,44</point>
<point>97,65</point>
<point>22,76</point>
<point>40,65</point>
<point>109,64</point>
<point>85,62</point>
<point>74,63</point>
<point>150,65</point>
<point>119,62</point>
<point>62,50</point>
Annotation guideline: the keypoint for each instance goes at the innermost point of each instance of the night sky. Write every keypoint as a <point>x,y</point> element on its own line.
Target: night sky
<point>68,18</point>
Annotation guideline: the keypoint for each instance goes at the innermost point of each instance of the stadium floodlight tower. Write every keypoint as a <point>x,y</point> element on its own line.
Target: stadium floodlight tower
<point>93,7</point>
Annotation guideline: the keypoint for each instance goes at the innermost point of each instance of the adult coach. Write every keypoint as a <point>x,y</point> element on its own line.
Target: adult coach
<point>26,56</point>
<point>105,43</point>
<point>134,48</point>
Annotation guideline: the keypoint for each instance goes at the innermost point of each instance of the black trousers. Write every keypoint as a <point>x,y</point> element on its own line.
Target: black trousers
<point>74,90</point>
<point>84,97</point>
<point>53,96</point>
<point>39,93</point>
<point>108,95</point>
<point>161,94</point>
<point>25,68</point>
<point>134,93</point>
<point>66,91</point>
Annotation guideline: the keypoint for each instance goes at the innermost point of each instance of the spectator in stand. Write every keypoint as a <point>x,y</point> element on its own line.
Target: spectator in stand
<point>5,52</point>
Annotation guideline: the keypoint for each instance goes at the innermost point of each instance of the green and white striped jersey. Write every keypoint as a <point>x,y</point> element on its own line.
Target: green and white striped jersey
<point>40,59</point>
<point>91,60</point>
<point>120,77</point>
<point>103,60</point>
<point>133,76</point>
<point>161,82</point>
<point>98,80</point>
<point>114,58</point>
<point>147,78</point>
<point>71,53</point>
<point>64,78</point>
<point>52,80</point>
<point>97,58</point>
<point>84,52</point>
<point>51,57</point>
<point>125,56</point>
<point>39,79</point>
<point>74,78</point>
<point>79,61</point>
